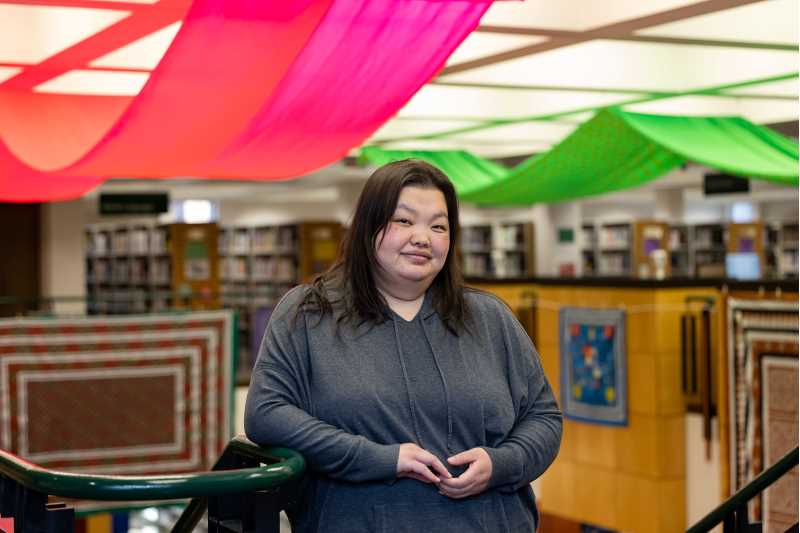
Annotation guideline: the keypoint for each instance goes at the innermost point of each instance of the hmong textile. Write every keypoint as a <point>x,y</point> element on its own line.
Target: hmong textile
<point>763,392</point>
<point>593,365</point>
<point>134,394</point>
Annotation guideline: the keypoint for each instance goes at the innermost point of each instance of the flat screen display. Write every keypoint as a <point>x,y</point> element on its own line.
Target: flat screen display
<point>742,265</point>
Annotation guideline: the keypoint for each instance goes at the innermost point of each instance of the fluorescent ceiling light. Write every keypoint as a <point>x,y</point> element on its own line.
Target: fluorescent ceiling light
<point>769,22</point>
<point>759,111</point>
<point>489,150</point>
<point>780,88</point>
<point>573,14</point>
<point>95,82</point>
<point>629,65</point>
<point>144,53</point>
<point>469,102</point>
<point>30,34</point>
<point>8,72</point>
<point>406,128</point>
<point>480,44</point>
<point>542,133</point>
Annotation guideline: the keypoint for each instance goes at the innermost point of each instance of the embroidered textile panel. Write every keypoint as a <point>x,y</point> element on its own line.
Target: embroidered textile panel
<point>763,391</point>
<point>135,394</point>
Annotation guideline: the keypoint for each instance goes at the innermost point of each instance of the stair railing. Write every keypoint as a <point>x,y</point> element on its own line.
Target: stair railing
<point>241,495</point>
<point>732,513</point>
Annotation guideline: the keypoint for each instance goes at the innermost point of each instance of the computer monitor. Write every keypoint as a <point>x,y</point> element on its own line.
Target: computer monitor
<point>742,265</point>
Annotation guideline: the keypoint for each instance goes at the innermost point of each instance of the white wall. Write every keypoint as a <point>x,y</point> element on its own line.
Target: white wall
<point>703,489</point>
<point>565,215</point>
<point>63,268</point>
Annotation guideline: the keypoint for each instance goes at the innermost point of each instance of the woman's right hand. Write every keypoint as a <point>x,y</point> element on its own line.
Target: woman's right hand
<point>419,464</point>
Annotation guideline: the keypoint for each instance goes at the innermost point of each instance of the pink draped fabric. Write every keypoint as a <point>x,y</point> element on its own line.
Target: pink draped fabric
<point>247,90</point>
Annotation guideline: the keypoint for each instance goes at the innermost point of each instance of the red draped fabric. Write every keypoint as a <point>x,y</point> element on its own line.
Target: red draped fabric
<point>247,90</point>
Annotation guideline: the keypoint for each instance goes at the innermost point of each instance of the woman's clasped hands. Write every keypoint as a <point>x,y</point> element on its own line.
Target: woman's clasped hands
<point>416,463</point>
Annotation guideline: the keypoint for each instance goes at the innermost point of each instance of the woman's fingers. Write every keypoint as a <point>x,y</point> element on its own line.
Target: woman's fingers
<point>436,465</point>
<point>459,483</point>
<point>475,478</point>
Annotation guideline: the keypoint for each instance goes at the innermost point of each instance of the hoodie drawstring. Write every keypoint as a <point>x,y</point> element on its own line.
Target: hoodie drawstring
<point>444,385</point>
<point>407,383</point>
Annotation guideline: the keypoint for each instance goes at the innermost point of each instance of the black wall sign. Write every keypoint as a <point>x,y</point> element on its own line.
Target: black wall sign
<point>134,203</point>
<point>724,184</point>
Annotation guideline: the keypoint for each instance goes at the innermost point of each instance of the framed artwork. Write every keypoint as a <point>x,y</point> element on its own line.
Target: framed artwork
<point>594,378</point>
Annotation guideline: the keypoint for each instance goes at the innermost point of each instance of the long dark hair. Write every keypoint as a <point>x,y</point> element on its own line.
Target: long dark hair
<point>349,285</point>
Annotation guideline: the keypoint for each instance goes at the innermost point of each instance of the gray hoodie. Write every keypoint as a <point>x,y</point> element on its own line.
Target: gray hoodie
<point>347,402</point>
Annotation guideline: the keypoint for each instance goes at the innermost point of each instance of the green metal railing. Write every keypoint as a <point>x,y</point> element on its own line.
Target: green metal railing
<point>732,513</point>
<point>232,488</point>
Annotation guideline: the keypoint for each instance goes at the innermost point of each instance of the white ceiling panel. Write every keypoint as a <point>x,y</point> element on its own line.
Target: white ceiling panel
<point>30,34</point>
<point>144,53</point>
<point>758,111</point>
<point>574,14</point>
<point>780,88</point>
<point>480,44</point>
<point>501,103</point>
<point>772,21</point>
<point>95,82</point>
<point>628,65</point>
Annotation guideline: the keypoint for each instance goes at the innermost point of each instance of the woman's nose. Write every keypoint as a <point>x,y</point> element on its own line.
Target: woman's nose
<point>420,238</point>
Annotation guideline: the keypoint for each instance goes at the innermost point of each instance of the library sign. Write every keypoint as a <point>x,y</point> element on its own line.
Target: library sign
<point>133,203</point>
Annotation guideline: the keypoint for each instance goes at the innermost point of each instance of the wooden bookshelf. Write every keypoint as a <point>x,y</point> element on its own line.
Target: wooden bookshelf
<point>259,264</point>
<point>138,268</point>
<point>501,250</point>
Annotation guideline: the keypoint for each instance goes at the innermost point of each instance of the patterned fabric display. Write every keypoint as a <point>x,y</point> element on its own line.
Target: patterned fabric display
<point>139,394</point>
<point>763,392</point>
<point>593,365</point>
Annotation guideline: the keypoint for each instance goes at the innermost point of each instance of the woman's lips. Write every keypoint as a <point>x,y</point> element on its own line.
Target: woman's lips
<point>418,257</point>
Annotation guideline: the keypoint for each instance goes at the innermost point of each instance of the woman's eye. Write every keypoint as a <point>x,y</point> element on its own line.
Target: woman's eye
<point>440,228</point>
<point>403,221</point>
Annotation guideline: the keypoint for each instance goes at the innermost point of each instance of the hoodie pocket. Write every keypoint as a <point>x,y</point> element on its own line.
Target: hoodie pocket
<point>456,516</point>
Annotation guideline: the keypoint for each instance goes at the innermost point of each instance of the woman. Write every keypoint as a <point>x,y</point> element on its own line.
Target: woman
<point>419,405</point>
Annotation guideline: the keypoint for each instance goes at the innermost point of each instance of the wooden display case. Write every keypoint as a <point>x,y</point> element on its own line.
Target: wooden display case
<point>650,249</point>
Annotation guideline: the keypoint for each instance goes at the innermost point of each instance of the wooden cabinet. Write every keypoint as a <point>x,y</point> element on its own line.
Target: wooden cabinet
<point>650,249</point>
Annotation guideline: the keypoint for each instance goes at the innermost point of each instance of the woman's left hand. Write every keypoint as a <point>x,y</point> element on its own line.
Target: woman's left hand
<point>474,479</point>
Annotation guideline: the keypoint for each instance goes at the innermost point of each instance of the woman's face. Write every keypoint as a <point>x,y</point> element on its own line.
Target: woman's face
<point>413,247</point>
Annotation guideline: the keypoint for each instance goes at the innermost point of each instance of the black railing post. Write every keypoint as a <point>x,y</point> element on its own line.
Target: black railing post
<point>59,518</point>
<point>29,512</point>
<point>266,511</point>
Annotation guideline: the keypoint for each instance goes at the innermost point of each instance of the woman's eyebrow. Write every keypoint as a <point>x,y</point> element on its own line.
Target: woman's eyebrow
<point>414,211</point>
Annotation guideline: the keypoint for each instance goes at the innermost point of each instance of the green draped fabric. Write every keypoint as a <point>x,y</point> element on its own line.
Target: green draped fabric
<point>615,150</point>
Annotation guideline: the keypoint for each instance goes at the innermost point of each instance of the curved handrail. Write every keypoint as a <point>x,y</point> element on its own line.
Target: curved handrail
<point>290,465</point>
<point>758,484</point>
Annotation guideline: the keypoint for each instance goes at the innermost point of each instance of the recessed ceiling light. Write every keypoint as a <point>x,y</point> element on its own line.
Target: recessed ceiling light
<point>7,72</point>
<point>95,82</point>
<point>30,34</point>
<point>144,53</point>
